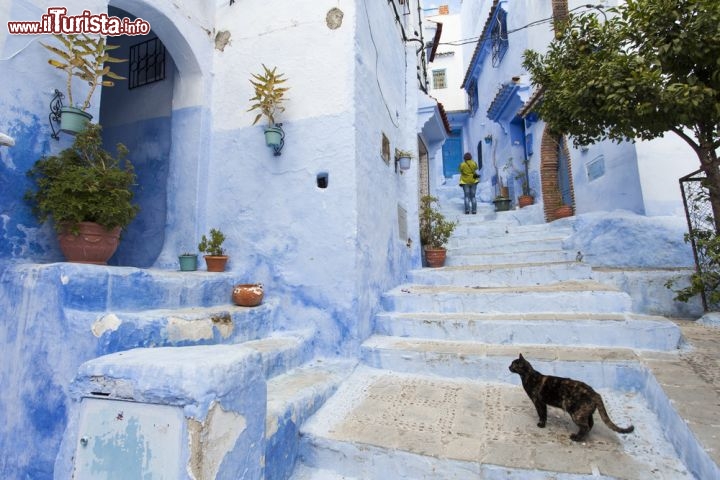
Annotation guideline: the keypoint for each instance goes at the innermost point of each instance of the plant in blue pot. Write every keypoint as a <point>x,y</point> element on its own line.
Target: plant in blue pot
<point>83,57</point>
<point>268,99</point>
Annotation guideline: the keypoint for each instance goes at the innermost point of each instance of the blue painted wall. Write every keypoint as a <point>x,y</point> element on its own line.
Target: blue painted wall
<point>324,254</point>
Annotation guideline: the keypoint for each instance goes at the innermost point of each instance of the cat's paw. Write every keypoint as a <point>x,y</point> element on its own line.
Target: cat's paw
<point>541,424</point>
<point>576,438</point>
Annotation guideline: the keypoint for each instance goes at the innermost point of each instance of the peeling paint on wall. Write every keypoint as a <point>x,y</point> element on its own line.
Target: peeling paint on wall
<point>222,39</point>
<point>212,440</point>
<point>106,323</point>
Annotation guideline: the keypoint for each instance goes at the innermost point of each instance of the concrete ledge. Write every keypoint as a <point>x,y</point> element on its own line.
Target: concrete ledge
<point>220,389</point>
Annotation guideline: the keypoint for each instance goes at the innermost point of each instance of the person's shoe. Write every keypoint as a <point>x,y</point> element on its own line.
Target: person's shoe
<point>467,213</point>
<point>474,213</point>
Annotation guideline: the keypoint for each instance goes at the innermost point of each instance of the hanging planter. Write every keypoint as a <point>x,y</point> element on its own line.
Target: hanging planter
<point>82,57</point>
<point>73,120</point>
<point>268,99</point>
<point>402,159</point>
<point>275,138</point>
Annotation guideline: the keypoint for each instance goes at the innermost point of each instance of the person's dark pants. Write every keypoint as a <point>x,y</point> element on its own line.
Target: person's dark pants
<point>469,190</point>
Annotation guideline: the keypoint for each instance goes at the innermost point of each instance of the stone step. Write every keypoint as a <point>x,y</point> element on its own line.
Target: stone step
<point>292,398</point>
<point>509,233</point>
<point>502,245</point>
<point>604,330</point>
<point>283,351</point>
<point>502,275</point>
<point>563,297</point>
<point>384,424</point>
<point>123,330</point>
<point>105,288</point>
<point>493,258</point>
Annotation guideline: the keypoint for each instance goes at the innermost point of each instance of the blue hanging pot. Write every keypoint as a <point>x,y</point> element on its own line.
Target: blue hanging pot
<point>274,136</point>
<point>73,120</point>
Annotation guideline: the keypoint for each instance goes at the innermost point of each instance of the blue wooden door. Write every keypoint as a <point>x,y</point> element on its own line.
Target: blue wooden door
<point>564,173</point>
<point>452,153</point>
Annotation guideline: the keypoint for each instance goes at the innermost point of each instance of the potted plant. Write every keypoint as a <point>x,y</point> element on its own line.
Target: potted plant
<point>82,57</point>
<point>88,194</point>
<point>527,198</point>
<point>188,262</point>
<point>435,231</point>
<point>215,257</point>
<point>268,99</point>
<point>403,157</point>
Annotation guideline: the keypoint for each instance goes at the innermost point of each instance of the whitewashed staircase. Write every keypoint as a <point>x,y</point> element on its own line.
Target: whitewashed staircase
<point>506,288</point>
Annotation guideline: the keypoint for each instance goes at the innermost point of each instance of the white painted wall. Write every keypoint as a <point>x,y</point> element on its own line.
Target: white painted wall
<point>450,58</point>
<point>661,163</point>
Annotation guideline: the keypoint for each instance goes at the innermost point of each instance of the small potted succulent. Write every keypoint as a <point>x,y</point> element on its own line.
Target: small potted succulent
<point>435,231</point>
<point>268,99</point>
<point>83,57</point>
<point>215,257</point>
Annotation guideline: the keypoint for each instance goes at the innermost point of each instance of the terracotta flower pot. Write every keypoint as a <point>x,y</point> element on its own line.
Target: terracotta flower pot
<point>563,211</point>
<point>248,294</point>
<point>93,243</point>
<point>435,257</point>
<point>216,263</point>
<point>525,200</point>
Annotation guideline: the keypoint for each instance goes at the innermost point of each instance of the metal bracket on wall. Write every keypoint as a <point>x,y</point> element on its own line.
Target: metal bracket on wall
<point>54,116</point>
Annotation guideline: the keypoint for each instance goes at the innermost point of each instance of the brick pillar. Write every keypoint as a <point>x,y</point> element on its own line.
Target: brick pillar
<point>560,13</point>
<point>549,161</point>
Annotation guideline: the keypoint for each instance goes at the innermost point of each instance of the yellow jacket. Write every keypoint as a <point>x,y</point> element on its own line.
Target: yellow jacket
<point>467,168</point>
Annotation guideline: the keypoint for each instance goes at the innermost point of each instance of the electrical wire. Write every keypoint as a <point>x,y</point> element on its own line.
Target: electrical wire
<point>377,58</point>
<point>535,23</point>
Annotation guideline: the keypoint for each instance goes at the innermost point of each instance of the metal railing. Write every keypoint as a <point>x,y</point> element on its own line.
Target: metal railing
<point>701,224</point>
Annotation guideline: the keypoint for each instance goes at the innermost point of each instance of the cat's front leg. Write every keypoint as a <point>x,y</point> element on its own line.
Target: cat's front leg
<point>542,413</point>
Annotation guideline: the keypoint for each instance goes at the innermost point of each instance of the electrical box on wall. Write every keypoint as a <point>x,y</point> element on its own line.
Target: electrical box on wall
<point>126,440</point>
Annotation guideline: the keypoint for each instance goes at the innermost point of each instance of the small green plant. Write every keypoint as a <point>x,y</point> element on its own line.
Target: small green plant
<point>269,95</point>
<point>435,230</point>
<point>404,153</point>
<point>706,280</point>
<point>84,57</point>
<point>213,246</point>
<point>84,183</point>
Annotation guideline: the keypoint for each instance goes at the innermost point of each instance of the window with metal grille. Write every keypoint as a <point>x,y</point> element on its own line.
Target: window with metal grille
<point>439,80</point>
<point>147,63</point>
<point>499,37</point>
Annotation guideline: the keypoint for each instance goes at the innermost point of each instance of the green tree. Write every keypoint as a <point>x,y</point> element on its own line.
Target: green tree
<point>646,68</point>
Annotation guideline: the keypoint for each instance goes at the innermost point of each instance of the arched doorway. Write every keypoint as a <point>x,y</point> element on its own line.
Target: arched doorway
<point>556,174</point>
<point>153,119</point>
<point>137,112</point>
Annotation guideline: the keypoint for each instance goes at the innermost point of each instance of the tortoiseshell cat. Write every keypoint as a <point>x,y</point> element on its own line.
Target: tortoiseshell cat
<point>575,397</point>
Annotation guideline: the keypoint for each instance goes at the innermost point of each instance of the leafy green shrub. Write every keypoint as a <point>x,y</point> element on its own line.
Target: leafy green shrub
<point>435,230</point>
<point>212,246</point>
<point>84,183</point>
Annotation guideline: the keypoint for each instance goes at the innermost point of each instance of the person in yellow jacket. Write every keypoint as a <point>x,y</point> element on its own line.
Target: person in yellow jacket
<point>468,181</point>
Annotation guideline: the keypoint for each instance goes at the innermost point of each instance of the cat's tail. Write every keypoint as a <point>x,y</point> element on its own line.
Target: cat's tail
<point>606,418</point>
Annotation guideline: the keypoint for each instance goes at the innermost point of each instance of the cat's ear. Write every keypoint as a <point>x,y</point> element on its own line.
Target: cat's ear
<point>521,357</point>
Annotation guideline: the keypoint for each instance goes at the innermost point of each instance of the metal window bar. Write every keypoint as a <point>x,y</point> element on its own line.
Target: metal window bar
<point>700,219</point>
<point>147,63</point>
<point>499,38</point>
